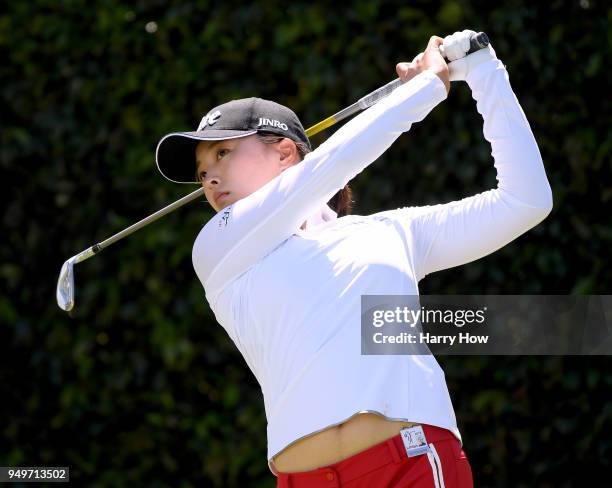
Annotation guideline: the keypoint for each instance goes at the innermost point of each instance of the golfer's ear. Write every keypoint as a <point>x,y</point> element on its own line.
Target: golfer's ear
<point>288,152</point>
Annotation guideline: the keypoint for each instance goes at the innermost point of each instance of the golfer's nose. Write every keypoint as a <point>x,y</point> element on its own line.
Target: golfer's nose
<point>212,181</point>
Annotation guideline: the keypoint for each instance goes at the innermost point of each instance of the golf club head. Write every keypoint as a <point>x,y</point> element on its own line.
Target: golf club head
<point>65,286</point>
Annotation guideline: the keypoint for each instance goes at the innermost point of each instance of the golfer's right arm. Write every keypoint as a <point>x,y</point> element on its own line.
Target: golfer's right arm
<point>451,234</point>
<point>245,232</point>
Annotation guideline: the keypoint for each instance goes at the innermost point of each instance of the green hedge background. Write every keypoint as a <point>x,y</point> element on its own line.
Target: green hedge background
<point>141,387</point>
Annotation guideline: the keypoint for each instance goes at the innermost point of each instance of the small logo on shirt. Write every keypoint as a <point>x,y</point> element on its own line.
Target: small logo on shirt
<point>225,217</point>
<point>272,123</point>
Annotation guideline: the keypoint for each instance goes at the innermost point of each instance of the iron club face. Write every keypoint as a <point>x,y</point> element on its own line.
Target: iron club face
<point>65,286</point>
<point>65,283</point>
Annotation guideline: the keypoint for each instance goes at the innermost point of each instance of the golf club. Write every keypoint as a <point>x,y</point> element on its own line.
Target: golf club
<point>65,283</point>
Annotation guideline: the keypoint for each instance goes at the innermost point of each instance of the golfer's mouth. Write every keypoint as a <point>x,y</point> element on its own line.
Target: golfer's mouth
<point>221,197</point>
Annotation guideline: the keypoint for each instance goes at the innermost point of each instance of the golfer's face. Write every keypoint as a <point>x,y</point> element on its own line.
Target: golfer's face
<point>236,166</point>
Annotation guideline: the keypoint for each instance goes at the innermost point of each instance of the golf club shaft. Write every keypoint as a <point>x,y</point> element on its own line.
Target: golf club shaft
<point>138,225</point>
<point>151,218</point>
<point>478,41</point>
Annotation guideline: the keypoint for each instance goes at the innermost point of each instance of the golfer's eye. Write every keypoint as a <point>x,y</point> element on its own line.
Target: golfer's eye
<point>221,153</point>
<point>202,175</point>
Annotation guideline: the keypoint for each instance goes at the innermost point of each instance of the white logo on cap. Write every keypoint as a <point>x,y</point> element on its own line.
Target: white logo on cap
<point>273,123</point>
<point>209,119</point>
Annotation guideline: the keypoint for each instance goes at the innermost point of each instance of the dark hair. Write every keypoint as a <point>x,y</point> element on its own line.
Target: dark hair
<point>342,201</point>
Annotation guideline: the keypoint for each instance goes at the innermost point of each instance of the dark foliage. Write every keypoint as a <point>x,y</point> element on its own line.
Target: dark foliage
<point>141,387</point>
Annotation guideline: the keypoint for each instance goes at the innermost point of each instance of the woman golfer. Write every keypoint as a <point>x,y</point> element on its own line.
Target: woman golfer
<point>284,272</point>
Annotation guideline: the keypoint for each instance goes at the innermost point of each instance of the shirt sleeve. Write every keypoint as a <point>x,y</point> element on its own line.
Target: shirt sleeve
<point>446,235</point>
<point>246,231</point>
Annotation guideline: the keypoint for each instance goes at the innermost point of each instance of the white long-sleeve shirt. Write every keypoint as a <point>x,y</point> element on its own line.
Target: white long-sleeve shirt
<point>290,298</point>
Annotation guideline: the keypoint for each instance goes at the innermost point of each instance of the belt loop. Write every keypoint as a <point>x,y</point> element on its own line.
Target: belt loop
<point>332,476</point>
<point>394,450</point>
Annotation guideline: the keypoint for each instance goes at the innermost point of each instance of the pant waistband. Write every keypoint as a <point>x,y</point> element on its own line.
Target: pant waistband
<point>391,450</point>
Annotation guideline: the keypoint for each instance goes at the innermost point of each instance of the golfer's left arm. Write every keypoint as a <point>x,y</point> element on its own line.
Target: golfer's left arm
<point>455,233</point>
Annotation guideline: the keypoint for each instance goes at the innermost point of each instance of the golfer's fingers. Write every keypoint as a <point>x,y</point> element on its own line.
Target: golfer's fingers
<point>434,42</point>
<point>406,71</point>
<point>417,59</point>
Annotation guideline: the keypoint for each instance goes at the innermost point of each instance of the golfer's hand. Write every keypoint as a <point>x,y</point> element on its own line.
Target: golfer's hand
<point>461,65</point>
<point>430,59</point>
<point>457,44</point>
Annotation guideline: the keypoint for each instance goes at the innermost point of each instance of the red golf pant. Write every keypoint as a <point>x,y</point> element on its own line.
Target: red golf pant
<point>387,465</point>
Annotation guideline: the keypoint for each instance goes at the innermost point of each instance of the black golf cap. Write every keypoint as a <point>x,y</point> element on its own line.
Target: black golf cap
<point>175,153</point>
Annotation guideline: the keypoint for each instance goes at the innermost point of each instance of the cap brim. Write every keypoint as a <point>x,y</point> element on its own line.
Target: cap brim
<point>175,154</point>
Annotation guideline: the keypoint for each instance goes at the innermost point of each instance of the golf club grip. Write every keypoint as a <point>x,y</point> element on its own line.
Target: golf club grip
<point>477,42</point>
